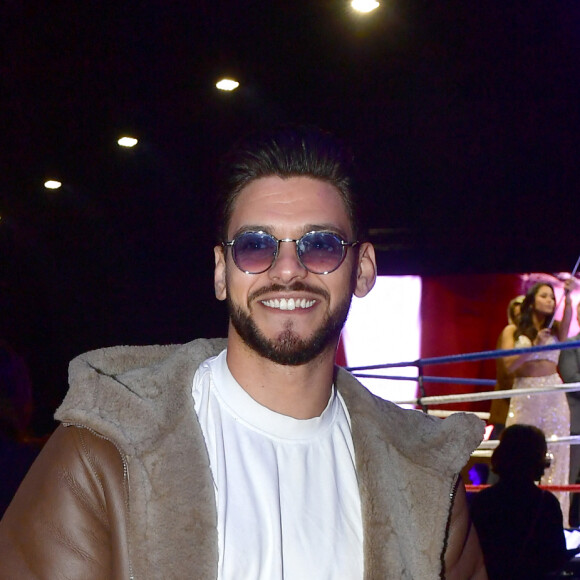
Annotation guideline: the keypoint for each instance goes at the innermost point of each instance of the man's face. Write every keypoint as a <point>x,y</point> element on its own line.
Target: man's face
<point>289,208</point>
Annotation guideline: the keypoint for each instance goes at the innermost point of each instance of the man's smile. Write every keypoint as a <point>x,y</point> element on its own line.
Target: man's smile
<point>288,304</point>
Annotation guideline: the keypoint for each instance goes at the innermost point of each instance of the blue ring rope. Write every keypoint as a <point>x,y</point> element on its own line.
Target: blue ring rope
<point>472,356</point>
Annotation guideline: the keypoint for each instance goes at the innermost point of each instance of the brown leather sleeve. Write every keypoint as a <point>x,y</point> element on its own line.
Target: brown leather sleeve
<point>463,557</point>
<point>68,518</point>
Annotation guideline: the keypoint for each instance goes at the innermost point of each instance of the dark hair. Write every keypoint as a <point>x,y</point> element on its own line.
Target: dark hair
<point>287,151</point>
<point>526,323</point>
<point>521,453</point>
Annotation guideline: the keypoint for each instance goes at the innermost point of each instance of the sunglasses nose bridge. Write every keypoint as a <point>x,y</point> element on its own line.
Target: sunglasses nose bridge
<point>287,260</point>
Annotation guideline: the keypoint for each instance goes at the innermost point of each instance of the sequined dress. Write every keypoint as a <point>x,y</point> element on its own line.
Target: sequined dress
<point>549,412</point>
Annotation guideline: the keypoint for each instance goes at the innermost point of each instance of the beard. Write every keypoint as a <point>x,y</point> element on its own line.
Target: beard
<point>288,348</point>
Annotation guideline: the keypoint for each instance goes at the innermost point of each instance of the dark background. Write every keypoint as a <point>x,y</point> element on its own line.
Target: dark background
<point>463,115</point>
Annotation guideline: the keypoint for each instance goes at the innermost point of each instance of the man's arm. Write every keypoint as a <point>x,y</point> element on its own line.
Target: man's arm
<point>68,513</point>
<point>463,557</point>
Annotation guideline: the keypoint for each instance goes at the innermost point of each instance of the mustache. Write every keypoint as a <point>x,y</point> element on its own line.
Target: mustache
<point>294,287</point>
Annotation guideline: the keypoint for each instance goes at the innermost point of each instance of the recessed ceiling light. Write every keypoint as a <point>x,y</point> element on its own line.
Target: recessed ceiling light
<point>52,184</point>
<point>127,141</point>
<point>227,85</point>
<point>364,5</point>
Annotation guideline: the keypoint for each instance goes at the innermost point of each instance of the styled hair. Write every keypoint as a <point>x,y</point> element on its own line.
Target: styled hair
<point>511,309</point>
<point>521,453</point>
<point>285,152</point>
<point>525,325</point>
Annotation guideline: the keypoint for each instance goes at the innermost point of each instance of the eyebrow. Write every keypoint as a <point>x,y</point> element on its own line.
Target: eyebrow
<point>305,229</point>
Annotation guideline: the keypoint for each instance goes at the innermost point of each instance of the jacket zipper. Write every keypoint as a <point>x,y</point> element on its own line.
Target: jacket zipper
<point>452,493</point>
<point>125,475</point>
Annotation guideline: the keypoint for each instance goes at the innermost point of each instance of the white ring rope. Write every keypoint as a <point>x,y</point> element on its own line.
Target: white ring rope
<point>444,414</point>
<point>488,395</point>
<point>570,440</point>
<point>486,448</point>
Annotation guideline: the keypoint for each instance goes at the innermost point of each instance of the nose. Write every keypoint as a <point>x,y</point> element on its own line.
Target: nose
<point>287,266</point>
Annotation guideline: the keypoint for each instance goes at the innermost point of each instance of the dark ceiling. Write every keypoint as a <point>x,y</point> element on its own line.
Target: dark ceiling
<point>463,115</point>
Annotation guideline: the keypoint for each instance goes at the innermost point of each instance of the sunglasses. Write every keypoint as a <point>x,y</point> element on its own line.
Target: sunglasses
<point>319,252</point>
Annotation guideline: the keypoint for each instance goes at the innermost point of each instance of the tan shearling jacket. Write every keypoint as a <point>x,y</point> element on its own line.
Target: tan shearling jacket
<point>123,488</point>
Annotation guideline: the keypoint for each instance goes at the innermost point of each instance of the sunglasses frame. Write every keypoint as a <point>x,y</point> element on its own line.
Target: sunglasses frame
<point>345,245</point>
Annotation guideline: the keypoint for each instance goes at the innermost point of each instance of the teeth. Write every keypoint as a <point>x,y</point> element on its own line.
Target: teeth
<point>288,303</point>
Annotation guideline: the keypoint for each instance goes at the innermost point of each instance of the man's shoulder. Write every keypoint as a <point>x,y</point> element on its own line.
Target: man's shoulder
<point>571,353</point>
<point>427,439</point>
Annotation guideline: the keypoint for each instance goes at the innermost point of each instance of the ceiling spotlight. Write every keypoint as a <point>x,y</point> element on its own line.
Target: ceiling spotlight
<point>52,184</point>
<point>227,85</point>
<point>127,141</point>
<point>364,5</point>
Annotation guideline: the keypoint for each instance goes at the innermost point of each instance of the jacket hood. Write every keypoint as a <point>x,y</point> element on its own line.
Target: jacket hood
<point>131,394</point>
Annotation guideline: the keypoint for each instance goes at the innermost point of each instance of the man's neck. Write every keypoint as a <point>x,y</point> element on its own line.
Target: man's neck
<point>299,391</point>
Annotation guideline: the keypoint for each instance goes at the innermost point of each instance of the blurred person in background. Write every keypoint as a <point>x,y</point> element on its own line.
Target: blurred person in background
<point>520,526</point>
<point>17,449</point>
<point>547,411</point>
<point>569,367</point>
<point>504,379</point>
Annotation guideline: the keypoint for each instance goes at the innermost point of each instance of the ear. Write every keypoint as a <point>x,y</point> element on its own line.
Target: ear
<point>219,273</point>
<point>366,274</point>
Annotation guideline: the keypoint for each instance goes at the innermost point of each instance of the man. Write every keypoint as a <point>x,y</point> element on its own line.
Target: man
<point>569,369</point>
<point>261,461</point>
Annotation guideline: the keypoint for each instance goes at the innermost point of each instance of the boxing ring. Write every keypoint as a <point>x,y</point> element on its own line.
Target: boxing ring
<point>424,401</point>
<point>484,451</point>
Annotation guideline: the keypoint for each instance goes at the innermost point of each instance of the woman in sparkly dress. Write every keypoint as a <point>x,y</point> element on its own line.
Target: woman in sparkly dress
<point>547,411</point>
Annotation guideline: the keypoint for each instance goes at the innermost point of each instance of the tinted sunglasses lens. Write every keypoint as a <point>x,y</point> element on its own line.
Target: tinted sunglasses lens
<point>320,252</point>
<point>254,252</point>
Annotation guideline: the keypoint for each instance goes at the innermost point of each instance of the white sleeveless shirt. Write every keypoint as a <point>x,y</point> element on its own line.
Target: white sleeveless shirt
<point>286,489</point>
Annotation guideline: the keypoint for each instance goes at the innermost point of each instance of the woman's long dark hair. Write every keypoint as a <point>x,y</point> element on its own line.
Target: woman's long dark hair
<point>526,323</point>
